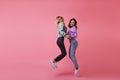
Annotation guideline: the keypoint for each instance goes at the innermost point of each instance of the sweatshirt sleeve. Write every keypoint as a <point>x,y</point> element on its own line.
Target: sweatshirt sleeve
<point>73,32</point>
<point>61,31</point>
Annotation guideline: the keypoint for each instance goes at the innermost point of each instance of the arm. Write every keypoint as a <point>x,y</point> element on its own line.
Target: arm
<point>61,31</point>
<point>73,32</point>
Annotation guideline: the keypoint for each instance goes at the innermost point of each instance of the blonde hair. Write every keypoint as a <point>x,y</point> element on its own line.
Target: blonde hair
<point>58,18</point>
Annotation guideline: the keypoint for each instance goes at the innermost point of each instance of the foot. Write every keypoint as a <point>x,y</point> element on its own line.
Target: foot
<point>53,64</point>
<point>77,71</point>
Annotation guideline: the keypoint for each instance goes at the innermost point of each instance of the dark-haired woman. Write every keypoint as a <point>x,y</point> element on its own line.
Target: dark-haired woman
<point>73,43</point>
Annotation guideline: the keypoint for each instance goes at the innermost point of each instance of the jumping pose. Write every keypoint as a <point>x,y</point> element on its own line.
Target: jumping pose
<point>60,41</point>
<point>73,43</point>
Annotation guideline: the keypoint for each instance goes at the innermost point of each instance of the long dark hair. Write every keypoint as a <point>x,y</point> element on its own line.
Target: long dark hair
<point>70,22</point>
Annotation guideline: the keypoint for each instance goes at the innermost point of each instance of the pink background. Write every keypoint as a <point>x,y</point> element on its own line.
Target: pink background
<point>28,39</point>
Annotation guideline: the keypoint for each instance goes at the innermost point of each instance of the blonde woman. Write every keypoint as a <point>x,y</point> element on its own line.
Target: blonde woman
<point>60,40</point>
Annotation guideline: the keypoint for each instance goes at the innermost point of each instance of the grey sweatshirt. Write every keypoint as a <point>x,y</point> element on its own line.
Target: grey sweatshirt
<point>62,30</point>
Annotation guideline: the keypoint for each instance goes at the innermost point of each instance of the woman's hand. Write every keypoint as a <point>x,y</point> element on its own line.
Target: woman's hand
<point>69,37</point>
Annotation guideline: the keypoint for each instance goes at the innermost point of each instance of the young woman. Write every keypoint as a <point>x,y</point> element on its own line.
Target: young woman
<point>60,41</point>
<point>73,43</point>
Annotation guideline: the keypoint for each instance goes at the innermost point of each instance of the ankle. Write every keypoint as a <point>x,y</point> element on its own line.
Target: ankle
<point>54,61</point>
<point>77,68</point>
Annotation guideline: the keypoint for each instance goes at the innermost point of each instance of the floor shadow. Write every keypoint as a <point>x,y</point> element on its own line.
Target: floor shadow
<point>95,72</point>
<point>65,73</point>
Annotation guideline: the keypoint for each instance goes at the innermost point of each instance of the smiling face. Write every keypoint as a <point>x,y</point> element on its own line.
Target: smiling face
<point>59,19</point>
<point>72,23</point>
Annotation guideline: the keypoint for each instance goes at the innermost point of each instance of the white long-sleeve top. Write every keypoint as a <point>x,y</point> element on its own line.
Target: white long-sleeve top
<point>62,30</point>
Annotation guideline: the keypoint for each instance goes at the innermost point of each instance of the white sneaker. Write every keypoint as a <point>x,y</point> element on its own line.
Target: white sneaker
<point>77,71</point>
<point>54,65</point>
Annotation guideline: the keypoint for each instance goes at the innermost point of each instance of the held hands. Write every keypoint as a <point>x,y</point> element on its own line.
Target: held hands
<point>69,37</point>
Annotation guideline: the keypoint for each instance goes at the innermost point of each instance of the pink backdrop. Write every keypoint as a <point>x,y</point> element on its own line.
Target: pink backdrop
<point>28,39</point>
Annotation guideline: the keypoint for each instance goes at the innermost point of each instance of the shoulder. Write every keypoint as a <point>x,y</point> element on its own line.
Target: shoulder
<point>61,24</point>
<point>73,28</point>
